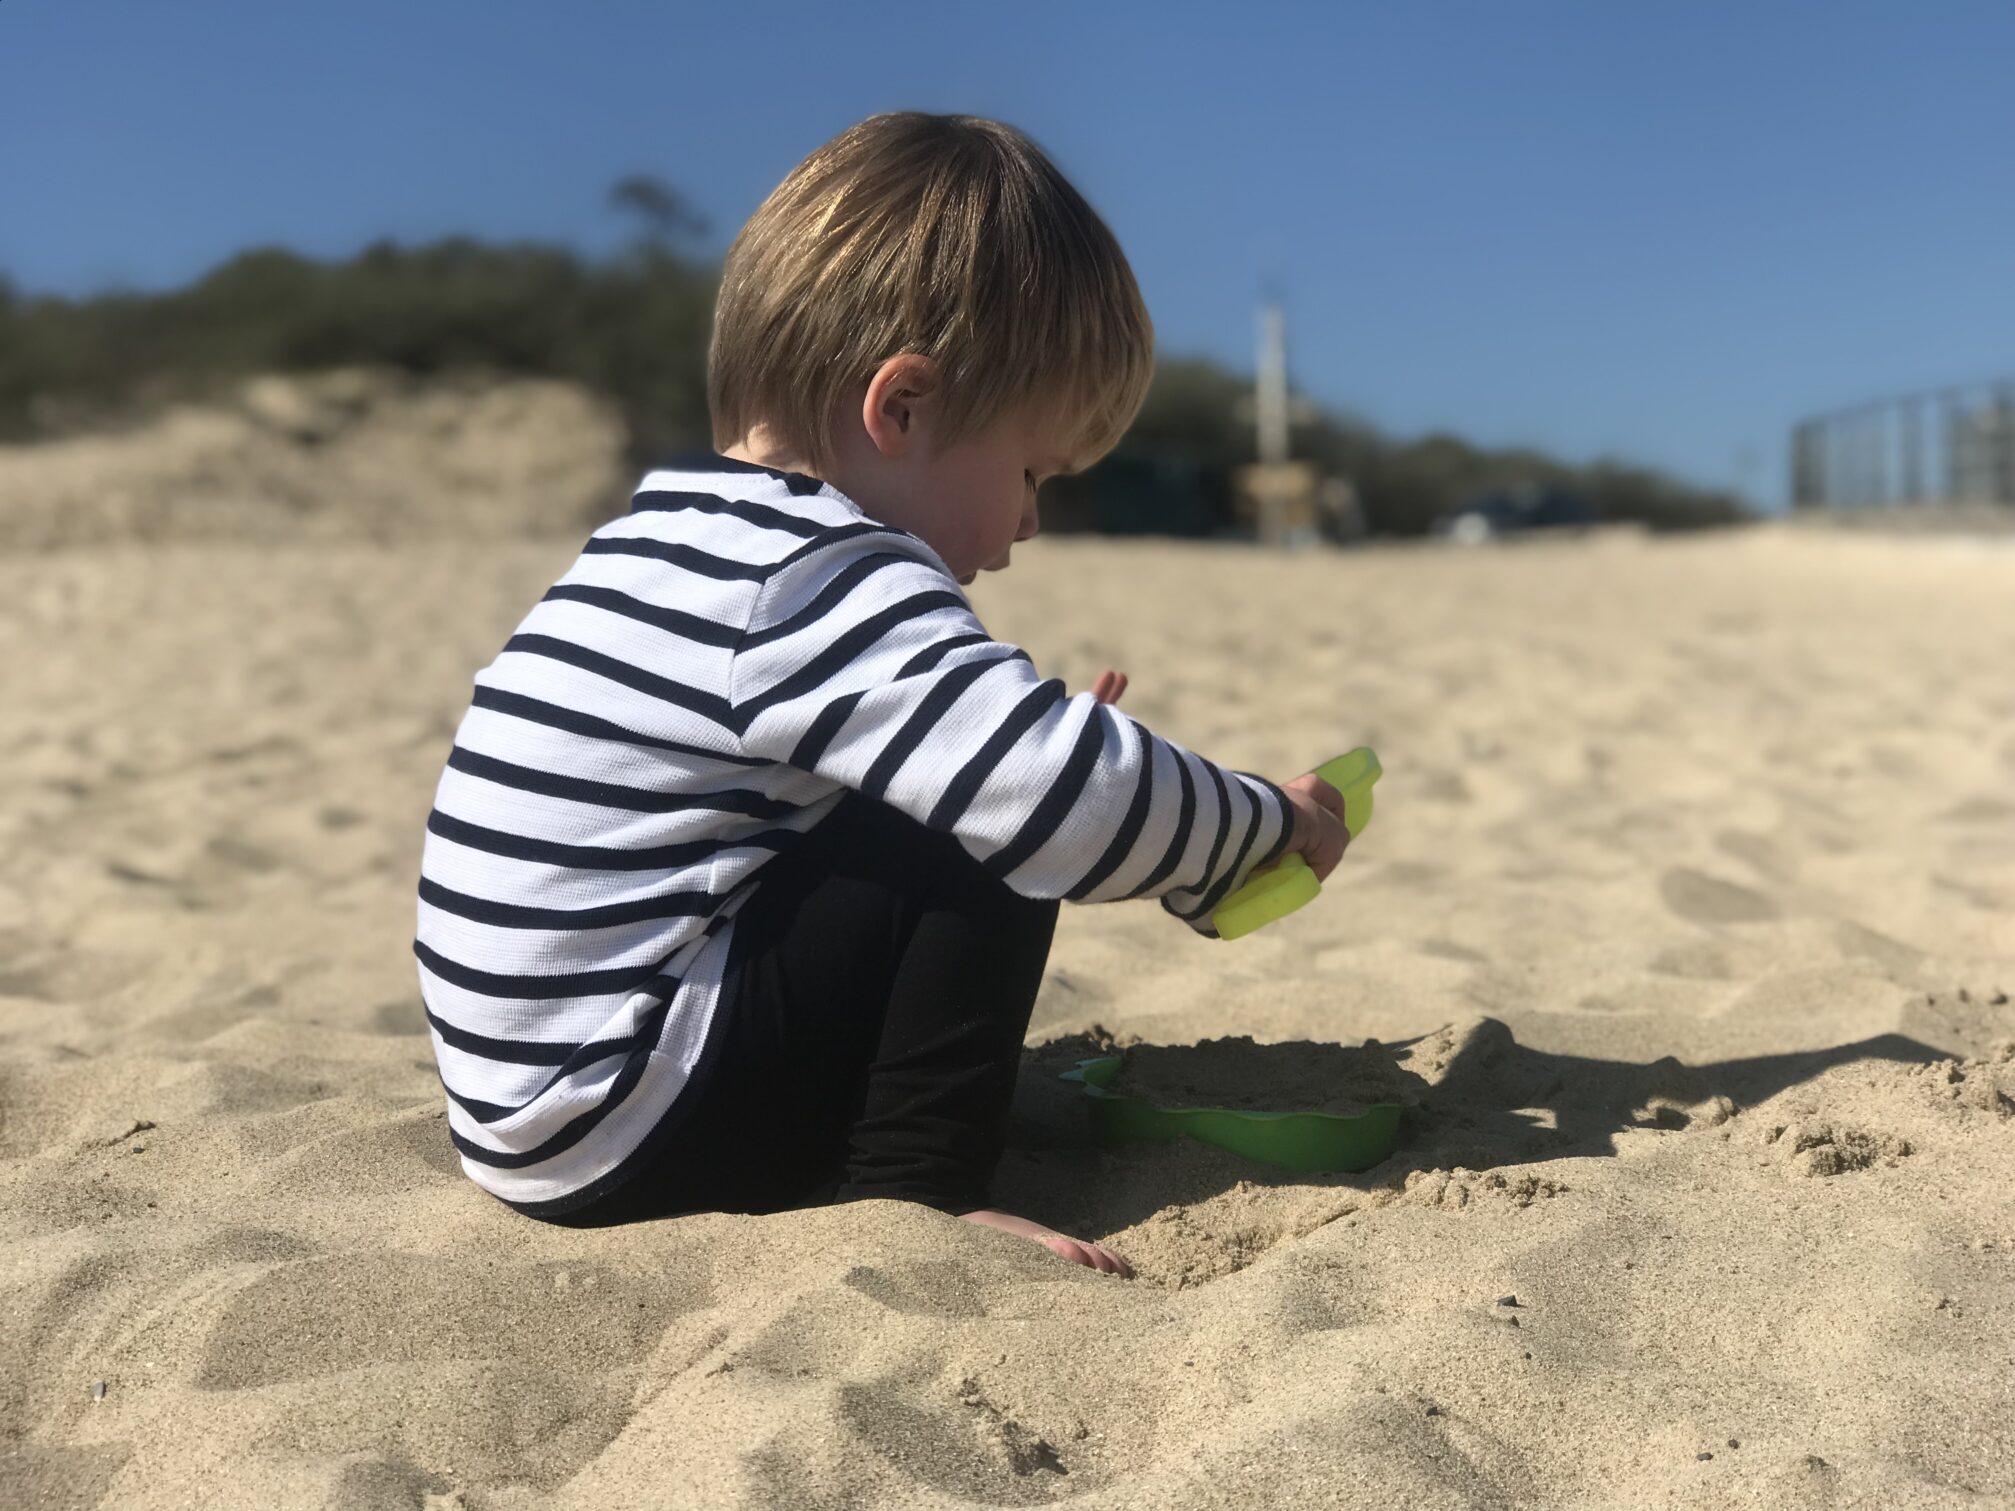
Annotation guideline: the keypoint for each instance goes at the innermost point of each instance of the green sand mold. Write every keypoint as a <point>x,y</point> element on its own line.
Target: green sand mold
<point>1312,1142</point>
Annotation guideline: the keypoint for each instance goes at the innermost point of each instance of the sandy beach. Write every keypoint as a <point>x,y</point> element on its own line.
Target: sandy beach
<point>1690,902</point>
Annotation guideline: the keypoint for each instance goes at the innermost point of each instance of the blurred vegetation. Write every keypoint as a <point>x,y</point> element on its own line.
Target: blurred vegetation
<point>634,326</point>
<point>1402,486</point>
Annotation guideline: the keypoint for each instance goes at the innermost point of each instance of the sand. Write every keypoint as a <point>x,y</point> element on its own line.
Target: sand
<point>1690,902</point>
<point>1239,1074</point>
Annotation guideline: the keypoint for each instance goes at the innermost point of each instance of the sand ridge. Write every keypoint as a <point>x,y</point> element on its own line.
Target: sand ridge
<point>1690,904</point>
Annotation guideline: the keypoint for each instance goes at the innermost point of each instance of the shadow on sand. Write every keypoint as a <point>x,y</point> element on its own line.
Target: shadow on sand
<point>1483,1102</point>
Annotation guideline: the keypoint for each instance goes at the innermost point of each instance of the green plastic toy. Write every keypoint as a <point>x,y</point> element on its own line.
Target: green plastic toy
<point>1308,1141</point>
<point>1288,883</point>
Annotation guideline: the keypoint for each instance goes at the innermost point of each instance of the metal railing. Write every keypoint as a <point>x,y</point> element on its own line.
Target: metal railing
<point>1950,445</point>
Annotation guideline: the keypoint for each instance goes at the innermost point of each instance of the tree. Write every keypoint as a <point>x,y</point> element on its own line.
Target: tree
<point>667,218</point>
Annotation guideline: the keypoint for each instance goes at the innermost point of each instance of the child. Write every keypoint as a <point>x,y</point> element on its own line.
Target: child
<point>741,876</point>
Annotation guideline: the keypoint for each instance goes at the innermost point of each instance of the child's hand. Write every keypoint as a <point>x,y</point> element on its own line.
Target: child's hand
<point>1319,835</point>
<point>1109,686</point>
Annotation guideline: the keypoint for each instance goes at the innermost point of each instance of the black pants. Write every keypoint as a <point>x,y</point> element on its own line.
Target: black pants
<point>881,988</point>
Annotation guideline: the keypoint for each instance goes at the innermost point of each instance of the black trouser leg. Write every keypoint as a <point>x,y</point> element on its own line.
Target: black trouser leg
<point>883,990</point>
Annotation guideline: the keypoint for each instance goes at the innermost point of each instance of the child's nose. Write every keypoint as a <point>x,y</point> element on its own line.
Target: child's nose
<point>1030,523</point>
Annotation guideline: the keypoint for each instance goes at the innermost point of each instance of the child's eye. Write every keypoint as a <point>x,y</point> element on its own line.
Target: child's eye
<point>1031,478</point>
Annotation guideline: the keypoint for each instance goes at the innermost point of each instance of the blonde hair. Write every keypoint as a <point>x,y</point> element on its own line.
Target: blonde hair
<point>947,236</point>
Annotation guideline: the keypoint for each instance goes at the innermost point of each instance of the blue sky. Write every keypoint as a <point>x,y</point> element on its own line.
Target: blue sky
<point>1662,231</point>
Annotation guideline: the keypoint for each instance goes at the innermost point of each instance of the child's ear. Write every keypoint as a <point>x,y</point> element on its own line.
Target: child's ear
<point>901,402</point>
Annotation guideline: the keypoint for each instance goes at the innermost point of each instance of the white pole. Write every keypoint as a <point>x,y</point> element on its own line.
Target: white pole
<point>1270,401</point>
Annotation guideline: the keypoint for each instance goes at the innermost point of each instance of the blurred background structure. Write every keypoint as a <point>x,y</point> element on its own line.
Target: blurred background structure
<point>1949,446</point>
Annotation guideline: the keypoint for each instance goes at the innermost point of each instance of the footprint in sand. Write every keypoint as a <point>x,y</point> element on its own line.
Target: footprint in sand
<point>1700,898</point>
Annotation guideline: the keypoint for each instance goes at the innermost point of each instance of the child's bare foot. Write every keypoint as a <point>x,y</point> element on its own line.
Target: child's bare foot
<point>1076,1250</point>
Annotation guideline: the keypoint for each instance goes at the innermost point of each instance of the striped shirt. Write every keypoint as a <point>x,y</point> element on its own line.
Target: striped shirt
<point>719,665</point>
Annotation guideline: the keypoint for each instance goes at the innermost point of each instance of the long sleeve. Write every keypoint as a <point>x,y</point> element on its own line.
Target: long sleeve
<point>863,663</point>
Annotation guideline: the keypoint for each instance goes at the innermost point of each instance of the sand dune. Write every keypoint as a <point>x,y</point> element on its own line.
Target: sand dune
<point>1690,902</point>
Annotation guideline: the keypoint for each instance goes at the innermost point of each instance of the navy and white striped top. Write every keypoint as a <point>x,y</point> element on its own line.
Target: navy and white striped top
<point>693,695</point>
